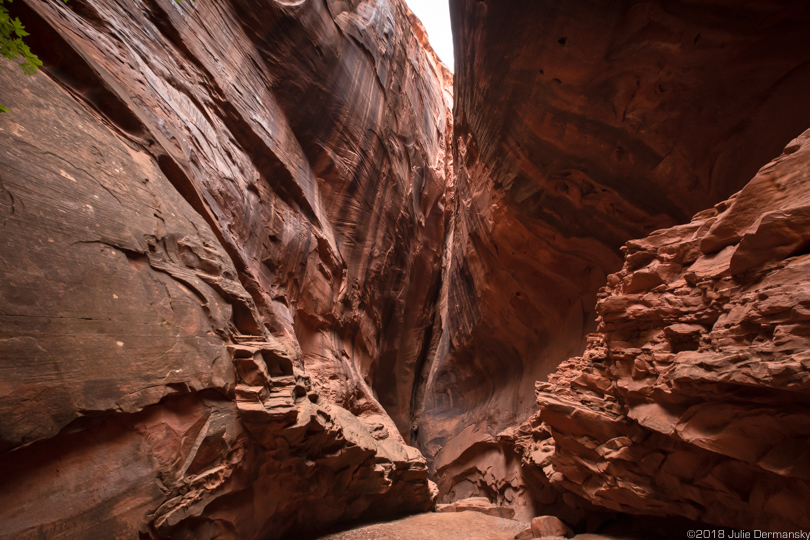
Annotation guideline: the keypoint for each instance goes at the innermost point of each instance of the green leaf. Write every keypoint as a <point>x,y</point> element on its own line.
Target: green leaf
<point>11,43</point>
<point>19,29</point>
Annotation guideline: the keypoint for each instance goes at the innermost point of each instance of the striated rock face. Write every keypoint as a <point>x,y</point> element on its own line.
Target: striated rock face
<point>220,228</point>
<point>251,269</point>
<point>691,399</point>
<point>579,126</point>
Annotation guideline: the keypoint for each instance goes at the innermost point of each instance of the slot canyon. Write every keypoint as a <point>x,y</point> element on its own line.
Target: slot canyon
<point>270,270</point>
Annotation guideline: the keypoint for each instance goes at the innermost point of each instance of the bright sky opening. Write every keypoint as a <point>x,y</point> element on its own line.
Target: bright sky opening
<point>435,15</point>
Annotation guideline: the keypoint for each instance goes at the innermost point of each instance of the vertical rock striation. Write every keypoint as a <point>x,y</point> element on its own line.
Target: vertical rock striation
<point>248,258</point>
<point>220,232</point>
<point>579,126</point>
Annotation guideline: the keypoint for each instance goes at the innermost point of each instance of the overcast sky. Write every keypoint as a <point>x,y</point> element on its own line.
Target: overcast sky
<point>435,15</point>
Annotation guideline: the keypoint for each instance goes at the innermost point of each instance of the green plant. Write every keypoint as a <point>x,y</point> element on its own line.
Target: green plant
<point>12,45</point>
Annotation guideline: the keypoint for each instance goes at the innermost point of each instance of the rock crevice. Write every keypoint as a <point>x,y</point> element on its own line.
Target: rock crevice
<point>266,267</point>
<point>222,226</point>
<point>579,127</point>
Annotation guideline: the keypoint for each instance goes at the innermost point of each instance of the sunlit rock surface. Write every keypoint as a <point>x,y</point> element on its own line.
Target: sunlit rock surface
<point>220,228</point>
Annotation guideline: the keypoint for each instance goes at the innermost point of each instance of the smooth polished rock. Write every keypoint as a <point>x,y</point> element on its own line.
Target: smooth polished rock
<point>221,227</point>
<point>578,127</point>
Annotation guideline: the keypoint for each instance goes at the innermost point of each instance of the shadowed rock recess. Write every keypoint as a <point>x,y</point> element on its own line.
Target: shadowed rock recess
<point>580,126</point>
<point>260,276</point>
<point>692,397</point>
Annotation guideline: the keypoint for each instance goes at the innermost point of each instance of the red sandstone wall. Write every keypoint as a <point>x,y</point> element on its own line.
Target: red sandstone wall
<point>691,399</point>
<point>221,227</point>
<point>580,126</point>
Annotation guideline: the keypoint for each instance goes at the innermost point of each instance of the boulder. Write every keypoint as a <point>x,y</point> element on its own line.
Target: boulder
<point>550,526</point>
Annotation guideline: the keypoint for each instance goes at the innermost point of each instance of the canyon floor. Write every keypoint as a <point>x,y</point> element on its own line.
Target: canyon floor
<point>461,526</point>
<point>436,526</point>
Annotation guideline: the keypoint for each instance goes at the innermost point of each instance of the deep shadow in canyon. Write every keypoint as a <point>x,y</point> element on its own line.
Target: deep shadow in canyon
<point>270,268</point>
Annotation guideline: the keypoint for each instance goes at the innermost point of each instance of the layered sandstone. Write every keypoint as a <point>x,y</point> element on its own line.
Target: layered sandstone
<point>691,399</point>
<point>220,228</point>
<point>242,269</point>
<point>579,126</point>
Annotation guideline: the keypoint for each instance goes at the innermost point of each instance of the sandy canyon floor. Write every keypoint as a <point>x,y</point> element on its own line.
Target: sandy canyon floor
<point>448,526</point>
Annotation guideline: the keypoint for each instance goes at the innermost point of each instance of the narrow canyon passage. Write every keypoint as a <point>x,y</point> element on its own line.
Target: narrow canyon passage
<point>269,269</point>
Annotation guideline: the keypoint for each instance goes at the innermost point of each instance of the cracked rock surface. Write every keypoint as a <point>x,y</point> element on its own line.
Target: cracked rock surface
<point>220,226</point>
<point>262,273</point>
<point>691,398</point>
<point>580,126</point>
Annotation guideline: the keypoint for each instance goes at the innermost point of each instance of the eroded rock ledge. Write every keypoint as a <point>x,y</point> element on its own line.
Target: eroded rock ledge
<point>691,399</point>
<point>580,126</point>
<point>246,262</point>
<point>220,236</point>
